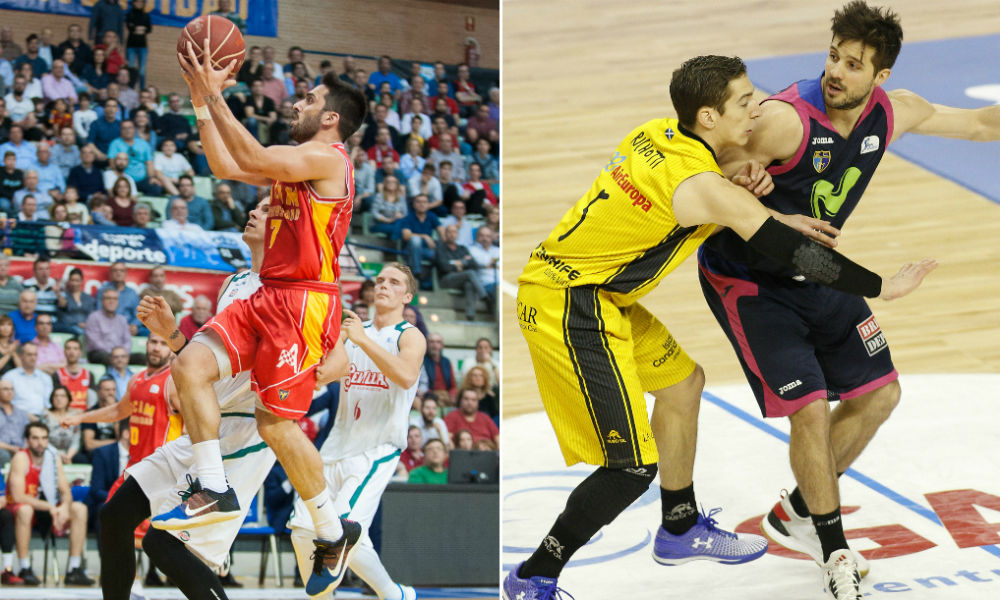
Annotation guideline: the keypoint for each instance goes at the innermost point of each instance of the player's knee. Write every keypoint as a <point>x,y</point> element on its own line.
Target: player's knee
<point>195,366</point>
<point>606,494</point>
<point>814,414</point>
<point>25,512</point>
<point>78,510</point>
<point>886,399</point>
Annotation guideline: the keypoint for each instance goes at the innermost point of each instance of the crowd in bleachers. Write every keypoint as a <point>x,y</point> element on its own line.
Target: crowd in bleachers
<point>86,141</point>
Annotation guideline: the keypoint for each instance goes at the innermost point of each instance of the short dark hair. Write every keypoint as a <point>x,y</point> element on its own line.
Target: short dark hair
<point>703,81</point>
<point>428,443</point>
<point>41,259</point>
<point>34,425</point>
<point>877,27</point>
<point>347,101</point>
<point>74,340</point>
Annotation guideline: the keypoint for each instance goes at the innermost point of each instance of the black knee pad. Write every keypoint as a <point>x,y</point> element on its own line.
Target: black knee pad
<point>600,498</point>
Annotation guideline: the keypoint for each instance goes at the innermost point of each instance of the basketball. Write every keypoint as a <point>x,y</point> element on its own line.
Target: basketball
<point>224,41</point>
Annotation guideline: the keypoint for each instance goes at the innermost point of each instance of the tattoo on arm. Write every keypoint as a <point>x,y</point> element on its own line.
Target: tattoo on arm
<point>212,99</point>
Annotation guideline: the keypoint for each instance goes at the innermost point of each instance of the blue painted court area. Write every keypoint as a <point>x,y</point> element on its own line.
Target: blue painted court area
<point>27,593</point>
<point>922,503</point>
<point>959,72</point>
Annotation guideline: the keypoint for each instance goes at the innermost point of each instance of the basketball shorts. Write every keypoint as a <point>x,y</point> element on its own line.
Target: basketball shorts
<point>356,484</point>
<point>796,341</point>
<point>593,361</point>
<point>280,334</point>
<point>247,461</point>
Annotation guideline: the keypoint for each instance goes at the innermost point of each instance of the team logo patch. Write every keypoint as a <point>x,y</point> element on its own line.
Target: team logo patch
<point>821,160</point>
<point>872,336</point>
<point>154,388</point>
<point>615,438</point>
<point>289,357</point>
<point>282,395</point>
<point>669,133</point>
<point>869,144</point>
<point>184,536</point>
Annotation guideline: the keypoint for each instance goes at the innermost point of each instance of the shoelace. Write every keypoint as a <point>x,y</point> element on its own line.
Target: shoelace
<point>194,486</point>
<point>711,523</point>
<point>554,592</point>
<point>846,580</point>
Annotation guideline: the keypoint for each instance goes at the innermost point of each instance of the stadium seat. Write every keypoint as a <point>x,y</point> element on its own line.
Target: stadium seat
<point>160,205</point>
<point>139,344</point>
<point>203,187</point>
<point>255,525</point>
<point>60,338</point>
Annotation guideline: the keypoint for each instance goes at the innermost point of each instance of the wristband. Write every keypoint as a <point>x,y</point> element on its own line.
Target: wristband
<point>202,114</point>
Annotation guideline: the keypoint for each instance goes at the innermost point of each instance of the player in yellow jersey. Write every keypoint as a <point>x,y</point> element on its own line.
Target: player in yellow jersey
<point>595,350</point>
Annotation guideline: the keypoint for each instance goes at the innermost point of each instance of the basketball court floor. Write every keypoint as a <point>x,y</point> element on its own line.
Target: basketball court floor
<point>923,502</point>
<point>22,593</point>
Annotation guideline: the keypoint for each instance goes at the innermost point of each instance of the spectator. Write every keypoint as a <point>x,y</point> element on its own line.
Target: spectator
<point>199,211</point>
<point>95,74</point>
<point>144,127</point>
<point>65,154</point>
<point>364,179</point>
<point>388,169</point>
<point>12,423</point>
<point>273,86</point>
<point>411,314</point>
<point>441,76</point>
<point>115,60</point>
<point>140,159</point>
<point>178,220</point>
<point>39,494</point>
<point>82,53</point>
<point>412,163</point>
<point>50,355</point>
<point>11,180</point>
<point>378,119</point>
<point>24,152</point>
<point>11,49</point>
<point>170,165</point>
<point>136,46</point>
<point>150,103</point>
<point>486,126</point>
<point>408,121</point>
<point>440,375</point>
<point>157,286</point>
<point>227,215</point>
<point>226,10</point>
<point>128,97</point>
<point>76,212</point>
<point>74,377</point>
<point>440,129</point>
<point>347,76</point>
<point>172,124</point>
<point>383,147</point>
<point>142,215</point>
<point>260,112</point>
<point>477,193</point>
<point>417,91</point>
<point>31,57</point>
<point>413,455</point>
<point>446,152</point>
<point>128,299</point>
<point>64,440</point>
<point>106,329</point>
<point>31,386</point>
<point>100,211</point>
<point>465,92</point>
<point>104,16</point>
<point>444,105</point>
<point>24,317</point>
<point>389,208</point>
<point>116,170</point>
<point>85,177</point>
<point>431,426</point>
<point>97,435</point>
<point>50,176</point>
<point>297,80</point>
<point>29,205</point>
<point>457,218</point>
<point>73,305</point>
<point>468,416</point>
<point>280,131</point>
<point>122,203</point>
<point>10,287</point>
<point>457,270</point>
<point>106,130</point>
<point>487,162</point>
<point>463,440</point>
<point>417,231</point>
<point>384,74</point>
<point>432,470</point>
<point>252,67</point>
<point>361,82</point>
<point>118,370</point>
<point>388,100</point>
<point>32,189</point>
<point>478,379</point>
<point>487,256</point>
<point>201,312</point>
<point>57,85</point>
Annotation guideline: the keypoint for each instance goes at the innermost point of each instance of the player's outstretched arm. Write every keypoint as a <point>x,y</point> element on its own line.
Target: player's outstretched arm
<point>708,198</point>
<point>915,114</point>
<point>109,414</point>
<point>402,369</point>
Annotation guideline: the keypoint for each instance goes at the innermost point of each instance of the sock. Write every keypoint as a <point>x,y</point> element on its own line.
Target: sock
<point>25,563</point>
<point>679,513</point>
<point>798,503</point>
<point>830,529</point>
<point>365,562</point>
<point>8,561</point>
<point>563,540</point>
<point>74,563</point>
<point>208,465</point>
<point>325,519</point>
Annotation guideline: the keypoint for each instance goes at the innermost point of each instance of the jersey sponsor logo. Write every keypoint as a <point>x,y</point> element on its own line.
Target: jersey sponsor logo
<point>869,144</point>
<point>560,266</point>
<point>822,140</point>
<point>644,149</point>
<point>821,160</point>
<point>827,200</point>
<point>184,536</point>
<point>872,336</point>
<point>154,388</point>
<point>789,386</point>
<point>616,160</point>
<point>290,357</point>
<point>621,177</point>
<point>371,379</point>
<point>670,347</point>
<point>526,317</point>
<point>614,437</point>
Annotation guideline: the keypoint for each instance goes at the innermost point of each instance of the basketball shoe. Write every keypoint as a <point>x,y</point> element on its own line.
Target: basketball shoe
<point>705,541</point>
<point>841,579</point>
<point>532,588</point>
<point>786,528</point>
<point>199,506</point>
<point>330,559</point>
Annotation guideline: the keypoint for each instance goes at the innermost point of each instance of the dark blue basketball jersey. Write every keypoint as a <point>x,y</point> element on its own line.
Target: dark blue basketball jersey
<point>827,175</point>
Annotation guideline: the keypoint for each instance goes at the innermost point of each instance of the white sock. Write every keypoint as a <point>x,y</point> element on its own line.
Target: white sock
<point>208,465</point>
<point>26,563</point>
<point>365,562</point>
<point>74,562</point>
<point>8,561</point>
<point>326,522</point>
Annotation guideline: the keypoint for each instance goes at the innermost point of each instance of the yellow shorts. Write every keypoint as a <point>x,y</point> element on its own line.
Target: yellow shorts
<point>593,360</point>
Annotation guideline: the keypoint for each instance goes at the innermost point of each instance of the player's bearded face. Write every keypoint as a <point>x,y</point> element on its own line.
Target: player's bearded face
<point>850,98</point>
<point>305,126</point>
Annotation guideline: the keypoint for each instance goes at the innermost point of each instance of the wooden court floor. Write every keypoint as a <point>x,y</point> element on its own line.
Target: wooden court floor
<point>578,75</point>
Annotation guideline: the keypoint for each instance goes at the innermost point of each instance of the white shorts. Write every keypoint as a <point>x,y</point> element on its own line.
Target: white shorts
<point>247,461</point>
<point>356,484</point>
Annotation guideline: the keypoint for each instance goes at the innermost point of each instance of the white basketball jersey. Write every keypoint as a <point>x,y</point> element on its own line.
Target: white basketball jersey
<point>373,410</point>
<point>234,393</point>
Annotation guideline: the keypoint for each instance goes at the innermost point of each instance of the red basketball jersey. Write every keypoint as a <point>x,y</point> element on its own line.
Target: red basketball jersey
<point>78,386</point>
<point>152,424</point>
<point>305,232</point>
<point>31,480</point>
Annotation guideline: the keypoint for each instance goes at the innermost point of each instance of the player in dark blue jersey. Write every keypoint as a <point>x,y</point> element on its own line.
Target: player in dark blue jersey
<point>800,344</point>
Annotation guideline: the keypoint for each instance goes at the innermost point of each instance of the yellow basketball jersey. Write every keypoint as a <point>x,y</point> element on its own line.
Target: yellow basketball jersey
<point>622,235</point>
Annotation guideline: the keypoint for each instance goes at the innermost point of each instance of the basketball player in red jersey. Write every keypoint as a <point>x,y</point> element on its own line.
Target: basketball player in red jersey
<point>282,332</point>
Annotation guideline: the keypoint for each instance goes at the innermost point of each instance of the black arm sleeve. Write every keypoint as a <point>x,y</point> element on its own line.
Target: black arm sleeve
<point>813,260</point>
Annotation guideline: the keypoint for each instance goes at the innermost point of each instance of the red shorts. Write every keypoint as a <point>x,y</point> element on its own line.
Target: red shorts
<point>280,334</point>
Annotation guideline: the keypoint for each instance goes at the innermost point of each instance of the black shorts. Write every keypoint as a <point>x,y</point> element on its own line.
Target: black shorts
<point>797,341</point>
